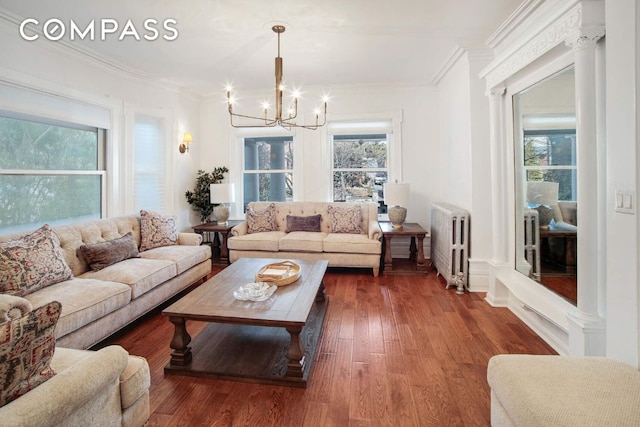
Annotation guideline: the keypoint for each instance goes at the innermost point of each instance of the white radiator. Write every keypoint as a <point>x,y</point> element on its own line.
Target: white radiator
<point>450,244</point>
<point>532,242</point>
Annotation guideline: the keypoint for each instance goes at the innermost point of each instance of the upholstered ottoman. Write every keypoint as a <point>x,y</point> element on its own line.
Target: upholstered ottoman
<point>529,390</point>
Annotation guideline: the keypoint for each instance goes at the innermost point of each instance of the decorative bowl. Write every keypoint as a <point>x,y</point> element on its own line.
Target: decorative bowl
<point>279,273</point>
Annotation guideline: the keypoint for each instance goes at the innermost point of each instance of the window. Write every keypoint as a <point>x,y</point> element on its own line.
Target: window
<point>268,169</point>
<point>360,167</point>
<point>550,155</point>
<point>50,172</point>
<point>149,164</point>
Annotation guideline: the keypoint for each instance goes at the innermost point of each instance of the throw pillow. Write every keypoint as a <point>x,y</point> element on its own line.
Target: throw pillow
<point>345,220</point>
<point>32,262</point>
<point>27,345</point>
<point>303,223</point>
<point>104,254</point>
<point>157,230</point>
<point>264,220</point>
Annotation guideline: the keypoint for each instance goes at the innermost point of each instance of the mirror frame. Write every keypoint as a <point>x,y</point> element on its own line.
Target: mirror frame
<point>560,34</point>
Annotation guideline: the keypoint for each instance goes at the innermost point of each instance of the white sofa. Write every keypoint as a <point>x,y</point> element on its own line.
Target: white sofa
<point>95,304</point>
<point>340,249</point>
<point>534,390</point>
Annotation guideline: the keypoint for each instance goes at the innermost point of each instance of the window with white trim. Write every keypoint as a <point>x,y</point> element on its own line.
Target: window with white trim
<point>360,161</point>
<point>50,172</point>
<point>268,169</point>
<point>149,182</point>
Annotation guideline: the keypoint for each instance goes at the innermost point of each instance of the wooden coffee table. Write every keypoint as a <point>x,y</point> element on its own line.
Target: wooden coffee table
<point>271,342</point>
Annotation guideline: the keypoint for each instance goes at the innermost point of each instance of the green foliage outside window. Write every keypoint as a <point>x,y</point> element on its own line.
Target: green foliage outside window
<point>30,195</point>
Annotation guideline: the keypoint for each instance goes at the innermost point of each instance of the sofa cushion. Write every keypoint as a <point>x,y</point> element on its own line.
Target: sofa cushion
<point>32,262</point>
<point>157,230</point>
<point>267,241</point>
<point>184,257</point>
<point>351,243</point>
<point>83,301</point>
<point>303,223</point>
<point>140,274</point>
<point>104,254</point>
<point>345,219</point>
<point>27,345</point>
<point>259,221</point>
<point>302,241</point>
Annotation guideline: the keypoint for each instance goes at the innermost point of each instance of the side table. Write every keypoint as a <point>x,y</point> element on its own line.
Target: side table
<point>416,232</point>
<point>219,251</point>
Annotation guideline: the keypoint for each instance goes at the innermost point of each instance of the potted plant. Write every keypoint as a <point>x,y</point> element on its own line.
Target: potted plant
<point>199,197</point>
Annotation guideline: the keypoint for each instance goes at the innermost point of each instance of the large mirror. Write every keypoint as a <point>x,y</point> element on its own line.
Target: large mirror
<point>546,183</point>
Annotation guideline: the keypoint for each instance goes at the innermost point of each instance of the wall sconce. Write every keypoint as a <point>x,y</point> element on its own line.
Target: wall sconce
<point>187,139</point>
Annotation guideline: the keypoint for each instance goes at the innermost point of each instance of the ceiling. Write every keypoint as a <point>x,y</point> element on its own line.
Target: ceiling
<point>326,43</point>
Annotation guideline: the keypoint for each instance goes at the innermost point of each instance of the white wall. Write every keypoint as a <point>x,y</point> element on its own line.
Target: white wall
<point>44,65</point>
<point>421,165</point>
<point>622,299</point>
<point>465,155</point>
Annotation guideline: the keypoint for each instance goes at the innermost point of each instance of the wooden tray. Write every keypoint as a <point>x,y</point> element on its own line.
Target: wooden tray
<point>279,273</point>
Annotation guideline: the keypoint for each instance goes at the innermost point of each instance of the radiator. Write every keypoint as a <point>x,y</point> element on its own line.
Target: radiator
<point>532,242</point>
<point>450,244</point>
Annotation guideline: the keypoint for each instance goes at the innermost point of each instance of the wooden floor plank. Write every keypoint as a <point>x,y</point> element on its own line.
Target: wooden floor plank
<point>395,351</point>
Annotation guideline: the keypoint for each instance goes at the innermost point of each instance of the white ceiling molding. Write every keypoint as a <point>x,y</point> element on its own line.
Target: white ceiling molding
<point>456,55</point>
<point>12,23</point>
<point>544,40</point>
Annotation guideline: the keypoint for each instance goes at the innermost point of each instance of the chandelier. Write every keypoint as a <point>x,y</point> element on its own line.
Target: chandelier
<point>286,122</point>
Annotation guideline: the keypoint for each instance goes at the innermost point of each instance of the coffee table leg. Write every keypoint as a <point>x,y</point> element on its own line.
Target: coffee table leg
<point>320,294</point>
<point>295,364</point>
<point>181,354</point>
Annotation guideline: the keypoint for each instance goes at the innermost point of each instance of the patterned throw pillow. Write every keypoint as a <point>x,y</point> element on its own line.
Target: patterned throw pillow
<point>303,223</point>
<point>27,345</point>
<point>264,220</point>
<point>345,220</point>
<point>104,254</point>
<point>32,262</point>
<point>157,230</point>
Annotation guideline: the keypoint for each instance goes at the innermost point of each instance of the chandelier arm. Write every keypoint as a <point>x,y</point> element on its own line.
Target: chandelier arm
<point>286,123</point>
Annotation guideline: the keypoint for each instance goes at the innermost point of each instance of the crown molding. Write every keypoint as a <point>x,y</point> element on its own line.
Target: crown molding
<point>458,53</point>
<point>563,23</point>
<point>90,57</point>
<point>514,21</point>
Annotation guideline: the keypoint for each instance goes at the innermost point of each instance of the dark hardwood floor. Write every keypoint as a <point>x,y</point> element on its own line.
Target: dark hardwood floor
<point>395,351</point>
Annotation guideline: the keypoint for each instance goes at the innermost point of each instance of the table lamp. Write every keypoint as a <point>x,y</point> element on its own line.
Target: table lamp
<point>221,194</point>
<point>396,195</point>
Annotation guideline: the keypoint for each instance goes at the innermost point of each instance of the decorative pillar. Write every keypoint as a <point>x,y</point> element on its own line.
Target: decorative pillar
<point>499,220</point>
<point>587,331</point>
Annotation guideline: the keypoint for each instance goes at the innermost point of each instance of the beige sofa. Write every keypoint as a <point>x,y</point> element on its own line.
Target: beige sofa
<point>95,304</point>
<point>340,249</point>
<point>529,390</point>
<point>91,388</point>
<point>45,385</point>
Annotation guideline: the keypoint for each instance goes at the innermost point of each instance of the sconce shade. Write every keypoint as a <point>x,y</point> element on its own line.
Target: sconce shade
<point>187,138</point>
<point>222,193</point>
<point>396,194</point>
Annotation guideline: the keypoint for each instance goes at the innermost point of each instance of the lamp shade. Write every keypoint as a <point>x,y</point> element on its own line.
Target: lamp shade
<point>187,138</point>
<point>222,193</point>
<point>396,194</point>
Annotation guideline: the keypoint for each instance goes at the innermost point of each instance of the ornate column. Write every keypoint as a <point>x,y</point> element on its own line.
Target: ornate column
<point>587,331</point>
<point>499,170</point>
